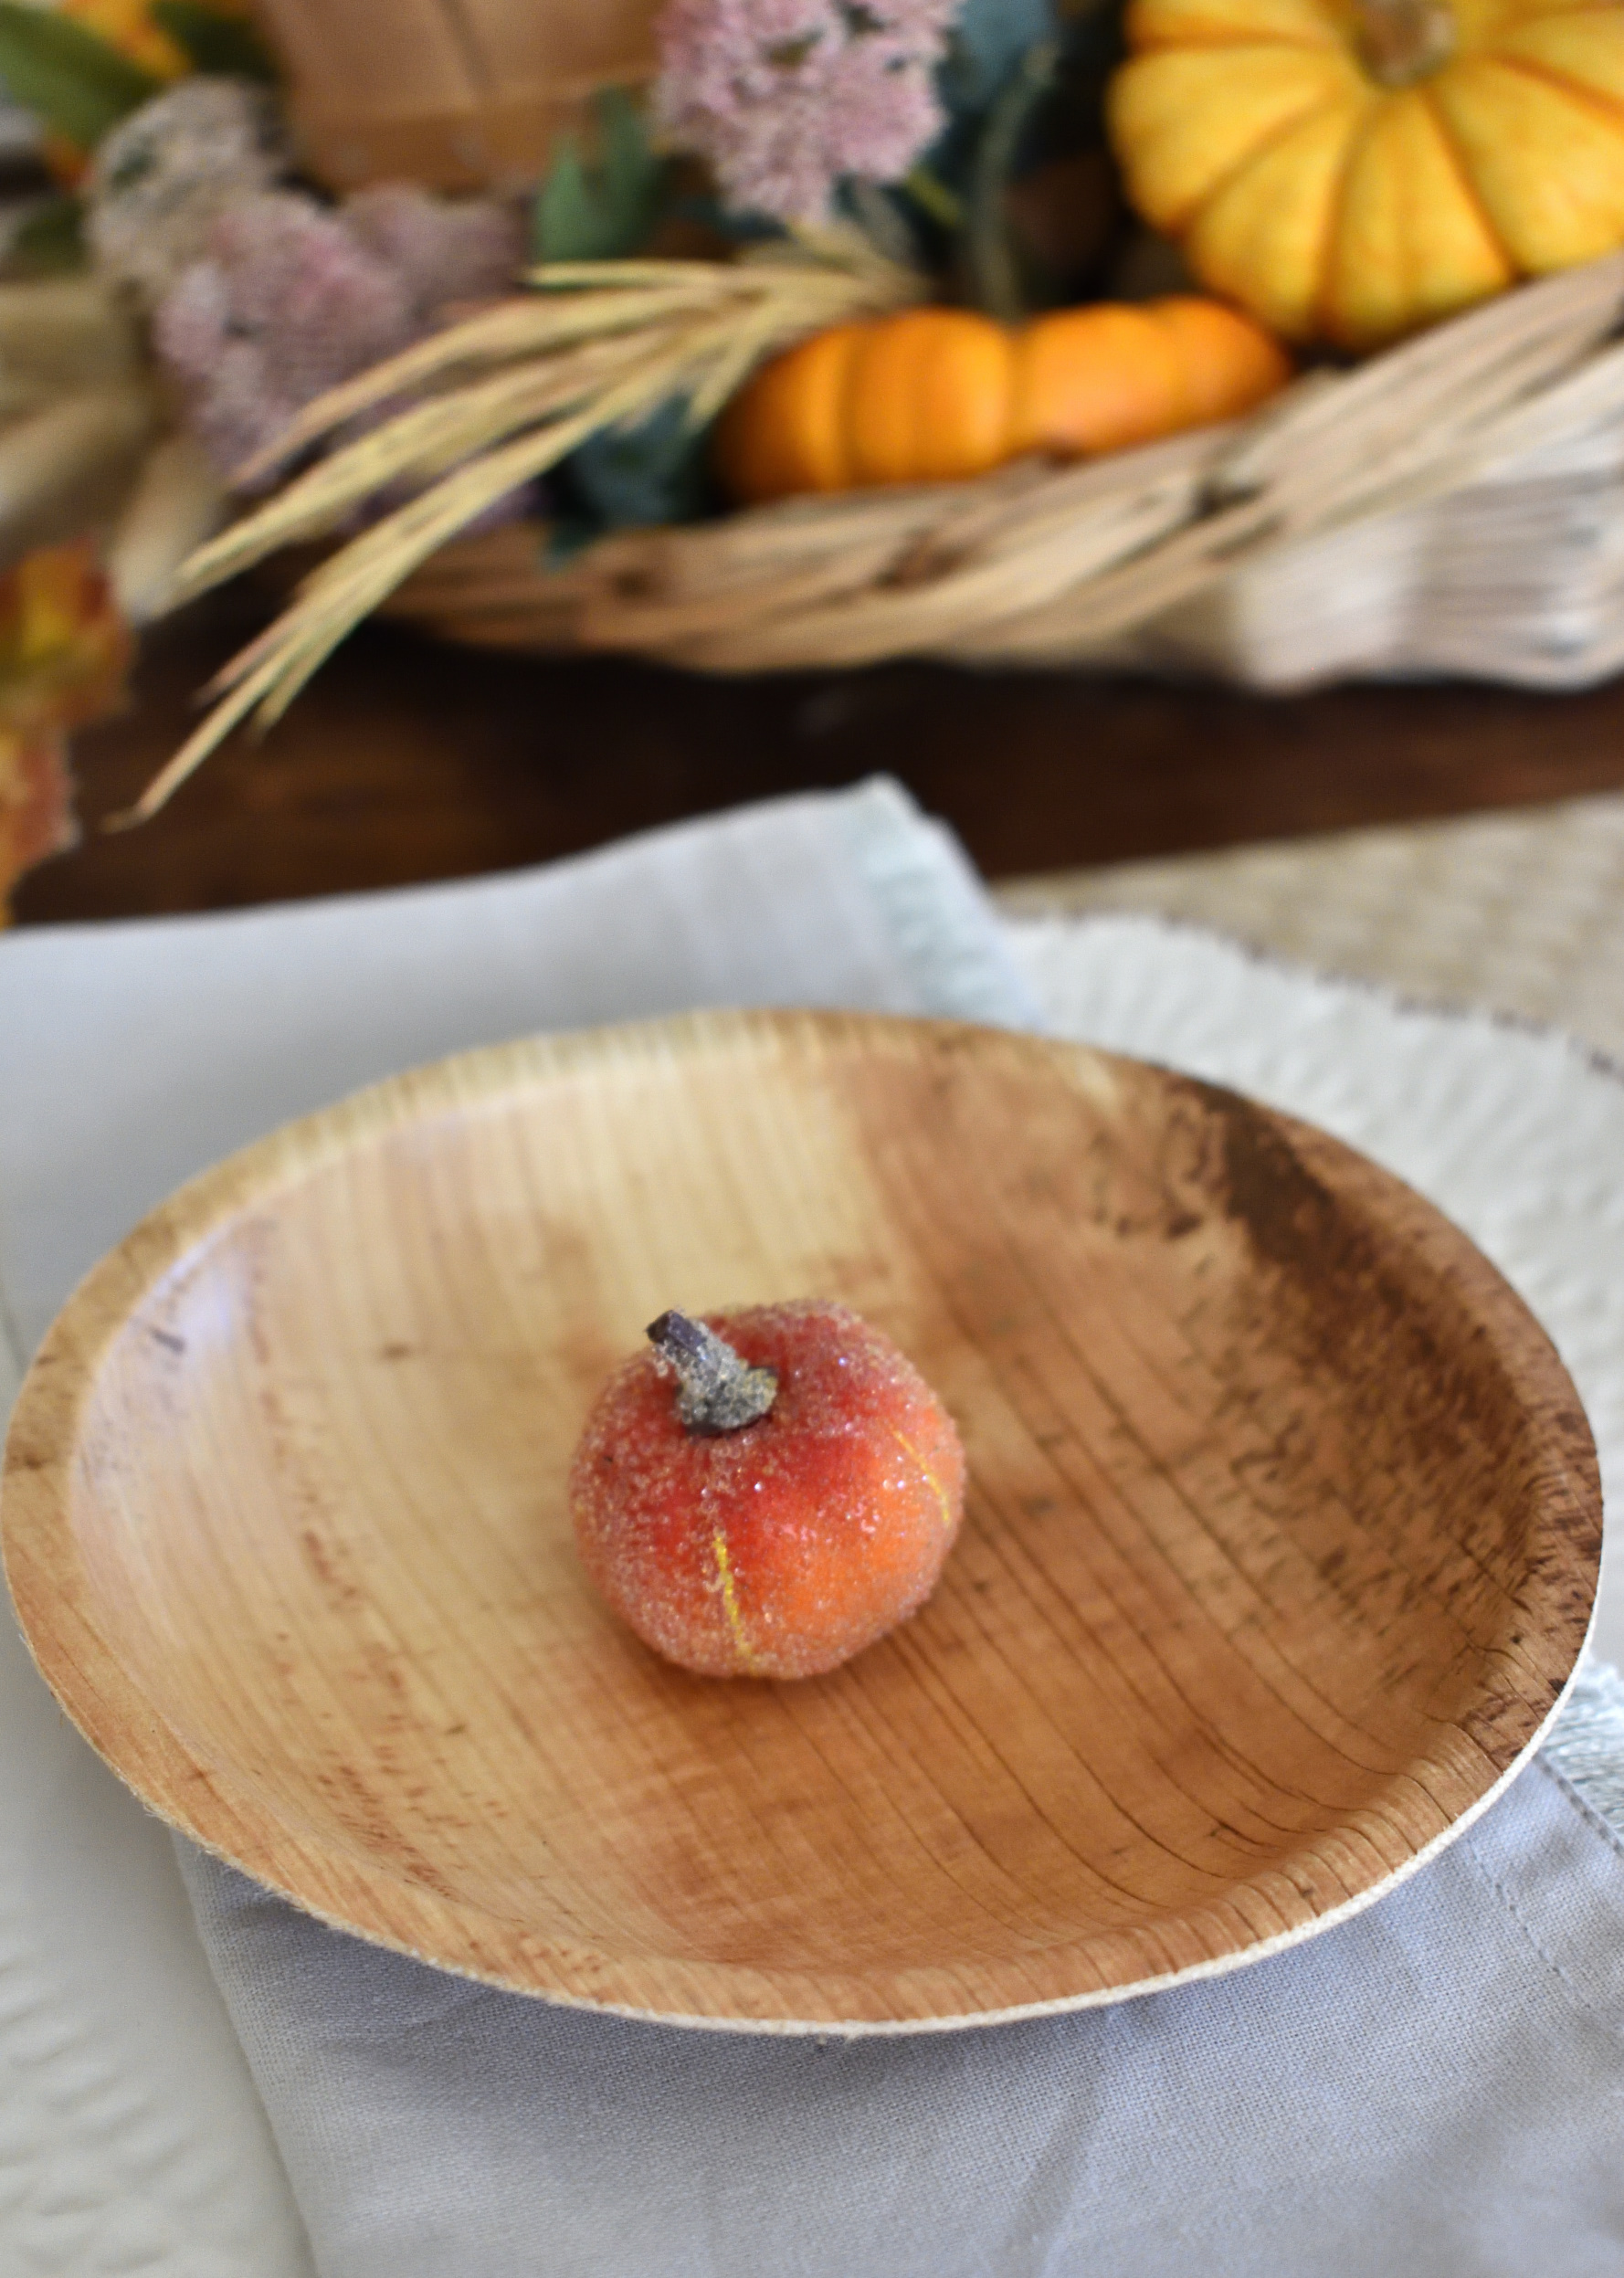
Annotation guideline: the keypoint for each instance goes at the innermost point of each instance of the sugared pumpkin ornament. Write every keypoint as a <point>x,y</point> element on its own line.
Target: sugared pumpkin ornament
<point>763,1493</point>
<point>939,395</point>
<point>1354,169</point>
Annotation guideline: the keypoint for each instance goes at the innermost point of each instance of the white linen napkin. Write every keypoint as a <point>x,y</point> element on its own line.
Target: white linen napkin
<point>1436,2086</point>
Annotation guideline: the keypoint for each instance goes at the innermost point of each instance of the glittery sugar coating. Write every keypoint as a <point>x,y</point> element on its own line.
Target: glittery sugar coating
<point>781,1549</point>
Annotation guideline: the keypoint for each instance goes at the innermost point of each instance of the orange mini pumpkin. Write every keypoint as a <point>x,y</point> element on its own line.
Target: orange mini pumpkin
<point>938,394</point>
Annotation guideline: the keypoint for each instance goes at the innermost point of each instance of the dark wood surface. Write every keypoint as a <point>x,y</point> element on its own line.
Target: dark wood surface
<point>407,760</point>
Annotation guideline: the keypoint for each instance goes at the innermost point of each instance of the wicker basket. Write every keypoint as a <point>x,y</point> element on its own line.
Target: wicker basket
<point>456,93</point>
<point>1454,506</point>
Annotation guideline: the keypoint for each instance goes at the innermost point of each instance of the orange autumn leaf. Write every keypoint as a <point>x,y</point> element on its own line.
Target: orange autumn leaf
<point>128,26</point>
<point>36,803</point>
<point>64,649</point>
<point>64,653</point>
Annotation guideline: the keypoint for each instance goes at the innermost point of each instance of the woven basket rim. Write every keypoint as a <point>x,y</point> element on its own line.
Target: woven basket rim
<point>1041,563</point>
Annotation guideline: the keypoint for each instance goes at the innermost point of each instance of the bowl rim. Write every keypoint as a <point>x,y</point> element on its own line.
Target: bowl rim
<point>107,1701</point>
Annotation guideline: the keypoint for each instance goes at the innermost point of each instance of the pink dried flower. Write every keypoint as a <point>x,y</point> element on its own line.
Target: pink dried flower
<point>443,252</point>
<point>786,97</point>
<point>291,298</point>
<point>162,175</point>
<point>285,303</point>
<point>230,406</point>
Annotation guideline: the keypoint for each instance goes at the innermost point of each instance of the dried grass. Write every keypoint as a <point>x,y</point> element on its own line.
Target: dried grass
<point>490,403</point>
<point>1033,565</point>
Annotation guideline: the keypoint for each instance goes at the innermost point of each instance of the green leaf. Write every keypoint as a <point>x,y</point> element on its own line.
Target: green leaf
<point>599,212</point>
<point>628,478</point>
<point>990,40</point>
<point>50,241</point>
<point>994,267</point>
<point>931,195</point>
<point>224,45</point>
<point>567,538</point>
<point>77,83</point>
<point>564,226</point>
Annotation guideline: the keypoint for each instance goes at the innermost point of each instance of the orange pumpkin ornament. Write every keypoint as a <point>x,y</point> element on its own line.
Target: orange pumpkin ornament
<point>789,1498</point>
<point>939,395</point>
<point>1355,169</point>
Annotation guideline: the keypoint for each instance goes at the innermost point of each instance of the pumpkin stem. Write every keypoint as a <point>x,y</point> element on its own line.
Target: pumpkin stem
<point>717,1390</point>
<point>1403,40</point>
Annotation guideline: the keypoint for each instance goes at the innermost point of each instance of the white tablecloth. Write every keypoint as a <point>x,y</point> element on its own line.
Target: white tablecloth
<point>1436,2086</point>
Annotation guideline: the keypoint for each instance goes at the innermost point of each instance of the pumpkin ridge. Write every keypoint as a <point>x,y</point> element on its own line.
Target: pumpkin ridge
<point>1558,82</point>
<point>1291,198</point>
<point>846,391</point>
<point>1217,41</point>
<point>1259,149</point>
<point>1216,32</point>
<point>1463,174</point>
<point>1356,141</point>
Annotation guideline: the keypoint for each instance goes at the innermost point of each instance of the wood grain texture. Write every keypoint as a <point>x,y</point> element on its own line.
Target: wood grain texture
<point>404,759</point>
<point>1281,1537</point>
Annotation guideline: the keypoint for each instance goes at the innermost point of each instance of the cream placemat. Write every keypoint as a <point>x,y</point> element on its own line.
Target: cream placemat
<point>1520,913</point>
<point>1297,2116</point>
<point>1434,2087</point>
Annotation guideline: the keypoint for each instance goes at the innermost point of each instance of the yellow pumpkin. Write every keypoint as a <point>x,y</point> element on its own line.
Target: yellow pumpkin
<point>938,394</point>
<point>1356,168</point>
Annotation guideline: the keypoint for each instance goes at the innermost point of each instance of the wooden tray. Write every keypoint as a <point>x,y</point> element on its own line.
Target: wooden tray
<point>1282,1538</point>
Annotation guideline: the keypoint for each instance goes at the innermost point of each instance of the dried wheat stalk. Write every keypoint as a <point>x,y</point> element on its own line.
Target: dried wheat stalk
<point>491,403</point>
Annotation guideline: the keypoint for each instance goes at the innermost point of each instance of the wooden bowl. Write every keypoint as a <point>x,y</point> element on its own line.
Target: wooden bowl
<point>1282,1534</point>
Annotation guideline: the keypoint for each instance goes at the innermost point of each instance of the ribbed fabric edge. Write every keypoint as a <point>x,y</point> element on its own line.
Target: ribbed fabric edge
<point>947,932</point>
<point>1587,1742</point>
